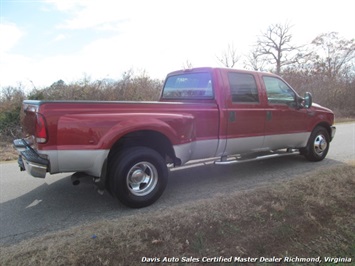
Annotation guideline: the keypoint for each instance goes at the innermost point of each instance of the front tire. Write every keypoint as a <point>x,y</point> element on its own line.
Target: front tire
<point>318,145</point>
<point>138,176</point>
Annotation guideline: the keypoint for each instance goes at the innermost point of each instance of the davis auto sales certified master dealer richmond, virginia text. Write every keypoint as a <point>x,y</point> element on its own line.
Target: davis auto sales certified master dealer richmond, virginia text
<point>231,259</point>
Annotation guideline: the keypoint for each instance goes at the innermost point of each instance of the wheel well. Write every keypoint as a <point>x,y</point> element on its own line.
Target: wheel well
<point>145,138</point>
<point>326,126</point>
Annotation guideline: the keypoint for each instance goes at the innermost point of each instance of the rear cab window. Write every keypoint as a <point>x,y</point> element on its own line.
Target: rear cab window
<point>243,88</point>
<point>189,86</point>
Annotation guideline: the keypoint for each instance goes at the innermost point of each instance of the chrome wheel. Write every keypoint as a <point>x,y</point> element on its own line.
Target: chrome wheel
<point>320,145</point>
<point>138,176</point>
<point>142,178</point>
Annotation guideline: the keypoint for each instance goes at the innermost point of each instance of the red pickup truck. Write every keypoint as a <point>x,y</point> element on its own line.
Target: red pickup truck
<point>225,114</point>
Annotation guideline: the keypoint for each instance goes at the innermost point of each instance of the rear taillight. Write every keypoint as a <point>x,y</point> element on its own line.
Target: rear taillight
<point>41,129</point>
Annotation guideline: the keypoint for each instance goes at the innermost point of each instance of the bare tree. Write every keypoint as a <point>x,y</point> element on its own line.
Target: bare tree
<point>229,57</point>
<point>254,60</point>
<point>187,65</point>
<point>275,46</point>
<point>333,54</point>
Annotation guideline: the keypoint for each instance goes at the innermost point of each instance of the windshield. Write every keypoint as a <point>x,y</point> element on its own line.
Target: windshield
<point>189,86</point>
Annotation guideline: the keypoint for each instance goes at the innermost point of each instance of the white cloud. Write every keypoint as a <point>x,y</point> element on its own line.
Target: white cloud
<point>67,5</point>
<point>59,37</point>
<point>97,14</point>
<point>14,69</point>
<point>10,35</point>
<point>10,64</point>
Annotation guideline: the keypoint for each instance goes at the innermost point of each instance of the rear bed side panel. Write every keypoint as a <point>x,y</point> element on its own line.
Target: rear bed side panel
<point>91,136</point>
<point>181,122</point>
<point>82,133</point>
<point>98,131</point>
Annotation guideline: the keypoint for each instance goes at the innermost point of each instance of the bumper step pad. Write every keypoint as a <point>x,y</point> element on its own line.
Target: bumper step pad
<point>30,160</point>
<point>31,156</point>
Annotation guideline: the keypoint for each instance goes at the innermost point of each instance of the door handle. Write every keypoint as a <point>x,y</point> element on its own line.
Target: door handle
<point>232,116</point>
<point>268,115</point>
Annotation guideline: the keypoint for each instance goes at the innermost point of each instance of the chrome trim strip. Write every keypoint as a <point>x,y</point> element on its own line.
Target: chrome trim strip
<point>258,158</point>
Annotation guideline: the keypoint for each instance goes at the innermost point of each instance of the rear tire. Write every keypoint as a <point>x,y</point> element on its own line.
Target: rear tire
<point>318,145</point>
<point>138,176</point>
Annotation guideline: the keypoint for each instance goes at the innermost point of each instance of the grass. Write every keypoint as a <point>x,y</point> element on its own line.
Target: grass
<point>307,217</point>
<point>344,119</point>
<point>7,152</point>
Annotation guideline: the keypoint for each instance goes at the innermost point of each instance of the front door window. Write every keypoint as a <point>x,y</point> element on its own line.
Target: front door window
<point>278,92</point>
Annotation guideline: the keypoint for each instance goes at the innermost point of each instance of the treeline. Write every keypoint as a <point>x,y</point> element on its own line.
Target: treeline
<point>337,94</point>
<point>130,87</point>
<point>325,67</point>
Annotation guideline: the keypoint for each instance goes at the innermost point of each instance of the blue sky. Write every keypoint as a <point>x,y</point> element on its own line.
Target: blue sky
<point>38,24</point>
<point>43,41</point>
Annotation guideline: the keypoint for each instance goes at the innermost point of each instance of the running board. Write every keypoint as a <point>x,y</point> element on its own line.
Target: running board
<point>234,160</point>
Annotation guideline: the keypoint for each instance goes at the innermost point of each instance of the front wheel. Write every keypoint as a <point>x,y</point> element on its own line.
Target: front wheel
<point>318,145</point>
<point>138,176</point>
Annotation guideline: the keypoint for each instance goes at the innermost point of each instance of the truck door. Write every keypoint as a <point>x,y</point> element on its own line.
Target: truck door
<point>285,123</point>
<point>245,114</point>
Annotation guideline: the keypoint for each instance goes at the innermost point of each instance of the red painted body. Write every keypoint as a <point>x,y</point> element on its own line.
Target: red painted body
<point>98,125</point>
<point>77,125</point>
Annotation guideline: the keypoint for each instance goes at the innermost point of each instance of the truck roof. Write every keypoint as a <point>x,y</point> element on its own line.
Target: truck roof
<point>211,69</point>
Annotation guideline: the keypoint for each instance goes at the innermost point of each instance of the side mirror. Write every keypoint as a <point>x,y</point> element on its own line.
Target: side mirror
<point>308,100</point>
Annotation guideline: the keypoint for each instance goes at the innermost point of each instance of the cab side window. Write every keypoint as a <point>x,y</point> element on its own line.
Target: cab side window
<point>278,92</point>
<point>243,88</point>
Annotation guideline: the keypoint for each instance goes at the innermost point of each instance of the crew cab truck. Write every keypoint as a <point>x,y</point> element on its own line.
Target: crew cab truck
<point>225,114</point>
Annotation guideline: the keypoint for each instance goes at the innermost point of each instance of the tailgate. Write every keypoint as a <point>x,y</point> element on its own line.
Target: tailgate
<point>29,117</point>
<point>34,131</point>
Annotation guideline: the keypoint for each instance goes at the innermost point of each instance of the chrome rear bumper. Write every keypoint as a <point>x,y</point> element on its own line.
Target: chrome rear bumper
<point>30,160</point>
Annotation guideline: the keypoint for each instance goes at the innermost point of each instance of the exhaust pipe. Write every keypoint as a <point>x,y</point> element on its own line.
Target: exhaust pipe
<point>75,179</point>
